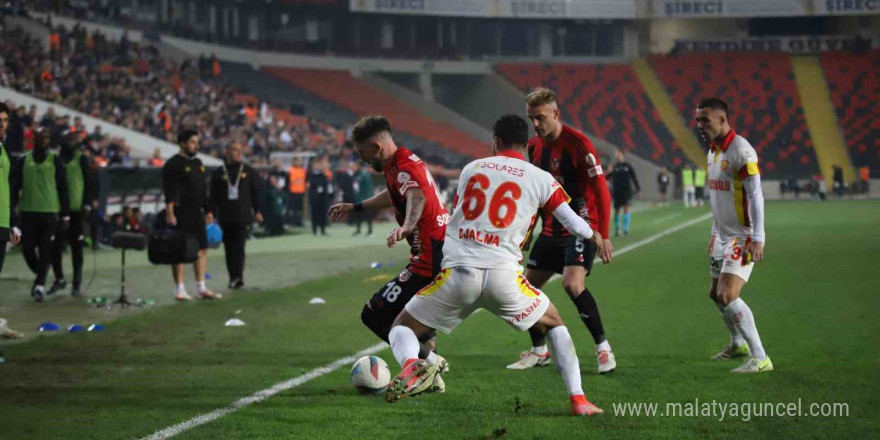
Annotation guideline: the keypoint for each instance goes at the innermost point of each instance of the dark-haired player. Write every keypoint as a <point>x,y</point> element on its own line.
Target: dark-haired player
<point>422,220</point>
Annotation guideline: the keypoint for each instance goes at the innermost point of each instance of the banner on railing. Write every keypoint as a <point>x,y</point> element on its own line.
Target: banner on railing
<point>795,45</point>
<point>502,8</point>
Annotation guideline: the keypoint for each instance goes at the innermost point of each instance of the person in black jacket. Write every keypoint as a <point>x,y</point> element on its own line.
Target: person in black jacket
<point>320,193</point>
<point>186,200</point>
<point>235,202</point>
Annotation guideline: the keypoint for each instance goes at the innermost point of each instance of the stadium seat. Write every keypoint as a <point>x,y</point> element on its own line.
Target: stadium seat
<point>854,84</point>
<point>605,100</point>
<point>763,97</point>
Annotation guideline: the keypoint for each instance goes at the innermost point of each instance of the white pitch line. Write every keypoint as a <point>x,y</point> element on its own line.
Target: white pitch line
<point>649,240</point>
<point>667,217</point>
<point>259,396</point>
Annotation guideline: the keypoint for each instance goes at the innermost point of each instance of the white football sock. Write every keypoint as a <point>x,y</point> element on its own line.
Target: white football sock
<point>736,339</point>
<point>432,358</point>
<point>404,344</point>
<point>201,286</point>
<point>741,315</point>
<point>181,288</point>
<point>540,351</point>
<point>566,359</point>
<point>603,346</point>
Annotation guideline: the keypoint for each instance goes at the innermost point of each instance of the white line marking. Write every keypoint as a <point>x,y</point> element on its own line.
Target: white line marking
<point>649,240</point>
<point>259,396</point>
<point>318,372</point>
<point>667,217</point>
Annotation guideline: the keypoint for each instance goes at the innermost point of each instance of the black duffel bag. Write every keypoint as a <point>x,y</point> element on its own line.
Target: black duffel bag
<point>171,246</point>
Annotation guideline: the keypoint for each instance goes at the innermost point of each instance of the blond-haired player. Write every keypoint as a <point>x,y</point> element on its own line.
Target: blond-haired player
<point>737,240</point>
<point>499,198</point>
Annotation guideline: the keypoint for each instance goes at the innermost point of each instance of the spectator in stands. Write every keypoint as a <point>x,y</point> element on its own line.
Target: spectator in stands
<point>296,178</point>
<point>136,222</point>
<point>186,199</point>
<point>865,179</point>
<point>319,188</point>
<point>156,161</point>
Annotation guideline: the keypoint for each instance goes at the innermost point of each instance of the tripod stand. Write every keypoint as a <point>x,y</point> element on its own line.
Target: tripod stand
<point>123,299</point>
<point>125,241</point>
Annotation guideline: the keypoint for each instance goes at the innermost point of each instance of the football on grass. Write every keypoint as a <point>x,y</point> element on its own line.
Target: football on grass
<point>370,375</point>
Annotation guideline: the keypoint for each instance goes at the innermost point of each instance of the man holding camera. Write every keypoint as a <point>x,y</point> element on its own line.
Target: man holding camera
<point>186,198</point>
<point>235,201</point>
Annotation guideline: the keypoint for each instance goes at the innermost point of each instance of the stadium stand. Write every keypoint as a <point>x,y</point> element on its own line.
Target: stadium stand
<point>761,91</point>
<point>605,100</point>
<point>133,86</point>
<point>344,90</point>
<point>854,85</point>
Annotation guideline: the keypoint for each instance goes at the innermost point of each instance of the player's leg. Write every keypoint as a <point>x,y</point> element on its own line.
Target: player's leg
<point>29,240</point>
<point>545,260</point>
<point>77,243</point>
<point>47,225</point>
<point>179,286</point>
<point>441,305</point>
<point>55,258</point>
<point>196,226</point>
<point>627,218</point>
<point>567,363</point>
<point>616,218</point>
<point>737,346</point>
<point>509,296</point>
<point>379,313</point>
<point>728,291</point>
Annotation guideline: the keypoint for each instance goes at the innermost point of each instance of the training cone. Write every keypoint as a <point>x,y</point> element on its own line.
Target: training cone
<point>49,327</point>
<point>96,328</point>
<point>75,328</point>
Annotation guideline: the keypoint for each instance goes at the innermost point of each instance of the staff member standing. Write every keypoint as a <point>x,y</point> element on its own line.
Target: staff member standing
<point>39,189</point>
<point>186,198</point>
<point>320,191</point>
<point>7,233</point>
<point>296,185</point>
<point>235,201</point>
<point>80,186</point>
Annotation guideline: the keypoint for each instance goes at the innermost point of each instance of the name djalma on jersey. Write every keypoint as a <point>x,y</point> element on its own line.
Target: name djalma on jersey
<point>478,236</point>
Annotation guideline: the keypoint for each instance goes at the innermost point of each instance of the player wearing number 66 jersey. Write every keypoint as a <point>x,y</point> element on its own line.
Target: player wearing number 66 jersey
<point>737,240</point>
<point>498,198</point>
<point>422,220</point>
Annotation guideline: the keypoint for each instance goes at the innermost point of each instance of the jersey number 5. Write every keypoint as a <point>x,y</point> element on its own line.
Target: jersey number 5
<point>475,201</point>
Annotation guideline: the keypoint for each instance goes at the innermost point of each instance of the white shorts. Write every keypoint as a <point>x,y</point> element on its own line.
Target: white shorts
<point>729,256</point>
<point>459,291</point>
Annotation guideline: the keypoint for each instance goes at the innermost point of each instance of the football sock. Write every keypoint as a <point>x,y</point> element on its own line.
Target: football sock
<point>566,359</point>
<point>404,344</point>
<point>616,222</point>
<point>201,286</point>
<point>604,346</point>
<point>736,339</point>
<point>540,351</point>
<point>741,315</point>
<point>181,288</point>
<point>432,358</point>
<point>589,312</point>
<point>627,218</point>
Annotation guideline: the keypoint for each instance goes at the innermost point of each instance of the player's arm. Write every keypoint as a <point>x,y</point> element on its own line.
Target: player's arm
<point>379,201</point>
<point>635,180</point>
<point>751,178</point>
<point>415,206</point>
<point>557,204</point>
<point>597,184</point>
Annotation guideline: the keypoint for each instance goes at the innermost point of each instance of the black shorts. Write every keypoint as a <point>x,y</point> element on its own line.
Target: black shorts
<point>698,193</point>
<point>554,253</point>
<point>192,221</point>
<point>392,297</point>
<point>622,198</point>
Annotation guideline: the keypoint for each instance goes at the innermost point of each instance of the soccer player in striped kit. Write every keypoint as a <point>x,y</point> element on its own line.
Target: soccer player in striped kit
<point>572,160</point>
